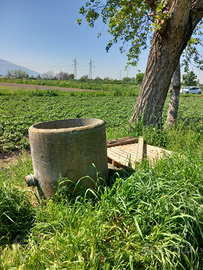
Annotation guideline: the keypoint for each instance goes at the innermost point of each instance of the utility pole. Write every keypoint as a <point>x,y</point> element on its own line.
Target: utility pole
<point>90,70</point>
<point>75,68</point>
<point>120,76</point>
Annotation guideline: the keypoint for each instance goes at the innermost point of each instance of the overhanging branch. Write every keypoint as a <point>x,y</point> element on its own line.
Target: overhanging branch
<point>196,11</point>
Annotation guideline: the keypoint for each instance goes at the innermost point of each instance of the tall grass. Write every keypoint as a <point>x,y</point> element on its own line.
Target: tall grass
<point>16,214</point>
<point>149,219</point>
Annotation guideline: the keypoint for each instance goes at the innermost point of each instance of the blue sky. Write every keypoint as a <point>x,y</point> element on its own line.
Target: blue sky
<point>42,35</point>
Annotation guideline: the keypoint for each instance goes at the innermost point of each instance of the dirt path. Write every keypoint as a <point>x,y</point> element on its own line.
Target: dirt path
<point>16,86</point>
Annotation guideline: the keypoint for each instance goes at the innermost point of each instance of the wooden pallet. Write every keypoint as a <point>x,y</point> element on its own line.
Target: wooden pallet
<point>129,152</point>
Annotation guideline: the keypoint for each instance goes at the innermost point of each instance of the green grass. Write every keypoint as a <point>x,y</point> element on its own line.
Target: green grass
<point>151,219</point>
<point>16,213</point>
<point>148,219</point>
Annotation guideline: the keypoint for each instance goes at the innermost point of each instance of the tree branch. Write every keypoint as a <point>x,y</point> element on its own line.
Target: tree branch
<point>196,11</point>
<point>152,5</point>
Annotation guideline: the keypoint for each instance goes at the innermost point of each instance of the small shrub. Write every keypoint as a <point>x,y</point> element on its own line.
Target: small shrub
<point>51,93</point>
<point>36,93</point>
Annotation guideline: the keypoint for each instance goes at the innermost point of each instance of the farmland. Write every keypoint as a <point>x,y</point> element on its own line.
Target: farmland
<point>113,86</point>
<point>148,219</point>
<point>19,113</point>
<point>22,108</point>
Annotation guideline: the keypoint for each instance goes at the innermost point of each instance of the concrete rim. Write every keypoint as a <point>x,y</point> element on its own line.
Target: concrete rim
<point>37,128</point>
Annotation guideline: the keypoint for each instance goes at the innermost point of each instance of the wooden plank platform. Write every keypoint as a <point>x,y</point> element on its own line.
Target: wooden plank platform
<point>131,153</point>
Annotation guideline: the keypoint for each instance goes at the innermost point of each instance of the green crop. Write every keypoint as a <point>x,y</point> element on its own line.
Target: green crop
<point>18,113</point>
<point>21,109</point>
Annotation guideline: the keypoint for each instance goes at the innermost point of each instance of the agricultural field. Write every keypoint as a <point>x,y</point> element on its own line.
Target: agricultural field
<point>115,87</point>
<point>22,108</point>
<point>151,218</point>
<point>19,113</point>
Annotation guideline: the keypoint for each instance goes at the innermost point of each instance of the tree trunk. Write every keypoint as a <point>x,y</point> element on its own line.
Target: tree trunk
<point>162,61</point>
<point>174,98</point>
<point>166,49</point>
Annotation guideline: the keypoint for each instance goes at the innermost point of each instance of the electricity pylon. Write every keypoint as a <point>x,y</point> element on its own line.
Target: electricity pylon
<point>90,70</point>
<point>75,68</point>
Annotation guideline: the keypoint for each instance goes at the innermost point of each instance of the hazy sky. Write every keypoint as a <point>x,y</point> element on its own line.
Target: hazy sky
<point>43,35</point>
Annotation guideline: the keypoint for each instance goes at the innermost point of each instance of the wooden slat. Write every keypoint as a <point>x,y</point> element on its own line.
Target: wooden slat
<point>140,150</point>
<point>121,141</point>
<point>120,157</point>
<point>126,150</point>
<point>125,154</point>
<point>120,151</point>
<point>154,152</point>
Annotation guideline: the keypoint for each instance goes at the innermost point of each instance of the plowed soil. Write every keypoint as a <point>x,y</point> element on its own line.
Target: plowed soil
<point>16,86</point>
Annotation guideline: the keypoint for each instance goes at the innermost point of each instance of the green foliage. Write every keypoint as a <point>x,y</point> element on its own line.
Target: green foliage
<point>107,84</point>
<point>84,78</point>
<point>51,93</point>
<point>131,23</point>
<point>16,214</point>
<point>127,22</point>
<point>126,79</point>
<point>190,78</point>
<point>139,77</point>
<point>190,55</point>
<point>22,111</point>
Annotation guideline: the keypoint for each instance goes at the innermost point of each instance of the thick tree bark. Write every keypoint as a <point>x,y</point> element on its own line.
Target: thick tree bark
<point>174,98</point>
<point>167,46</point>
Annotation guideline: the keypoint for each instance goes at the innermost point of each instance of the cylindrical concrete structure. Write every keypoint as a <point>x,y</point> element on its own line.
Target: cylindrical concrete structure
<point>68,147</point>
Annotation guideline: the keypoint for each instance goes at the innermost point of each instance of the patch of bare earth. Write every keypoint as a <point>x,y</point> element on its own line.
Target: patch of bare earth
<point>6,159</point>
<point>16,86</point>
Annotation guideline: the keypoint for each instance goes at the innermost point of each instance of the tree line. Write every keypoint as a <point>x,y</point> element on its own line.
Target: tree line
<point>189,78</point>
<point>20,74</point>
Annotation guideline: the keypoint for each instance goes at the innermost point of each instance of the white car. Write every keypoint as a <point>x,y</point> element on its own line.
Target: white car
<point>191,90</point>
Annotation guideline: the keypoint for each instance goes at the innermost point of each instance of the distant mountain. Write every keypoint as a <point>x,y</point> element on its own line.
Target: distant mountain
<point>5,65</point>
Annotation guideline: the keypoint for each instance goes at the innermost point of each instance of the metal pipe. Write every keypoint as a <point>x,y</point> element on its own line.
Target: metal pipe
<point>31,181</point>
